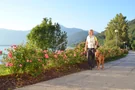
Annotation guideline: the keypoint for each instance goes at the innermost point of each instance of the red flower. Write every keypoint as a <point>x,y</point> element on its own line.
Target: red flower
<point>0,52</point>
<point>46,56</point>
<point>9,64</point>
<point>14,46</point>
<point>10,55</point>
<point>20,65</point>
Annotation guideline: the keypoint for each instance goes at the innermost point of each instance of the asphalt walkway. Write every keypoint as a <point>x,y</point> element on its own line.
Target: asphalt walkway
<point>117,75</point>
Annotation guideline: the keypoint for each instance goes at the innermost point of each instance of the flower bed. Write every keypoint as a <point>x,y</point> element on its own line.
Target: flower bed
<point>32,60</point>
<point>27,64</point>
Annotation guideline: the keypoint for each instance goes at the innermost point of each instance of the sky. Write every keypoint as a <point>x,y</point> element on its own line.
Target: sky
<point>83,14</point>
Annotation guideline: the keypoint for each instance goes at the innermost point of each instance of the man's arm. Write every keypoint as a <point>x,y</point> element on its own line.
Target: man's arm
<point>86,45</point>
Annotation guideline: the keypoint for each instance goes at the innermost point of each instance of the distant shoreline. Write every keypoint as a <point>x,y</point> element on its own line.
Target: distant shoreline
<point>5,45</point>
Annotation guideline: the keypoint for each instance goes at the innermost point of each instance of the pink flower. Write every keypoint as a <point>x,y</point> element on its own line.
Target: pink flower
<point>0,52</point>
<point>28,60</point>
<point>46,56</point>
<point>39,60</point>
<point>43,65</point>
<point>10,55</point>
<point>45,51</point>
<point>9,64</point>
<point>20,65</point>
<point>55,56</point>
<point>14,46</point>
<point>65,56</point>
<point>59,52</point>
<point>74,54</point>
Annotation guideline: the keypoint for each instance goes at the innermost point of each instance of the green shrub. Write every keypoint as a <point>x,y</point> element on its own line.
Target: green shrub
<point>25,59</point>
<point>32,60</point>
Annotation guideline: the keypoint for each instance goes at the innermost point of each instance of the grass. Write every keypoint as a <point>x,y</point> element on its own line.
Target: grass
<point>4,70</point>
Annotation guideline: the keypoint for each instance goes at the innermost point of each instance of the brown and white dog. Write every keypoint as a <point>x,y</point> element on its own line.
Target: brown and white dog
<point>99,59</point>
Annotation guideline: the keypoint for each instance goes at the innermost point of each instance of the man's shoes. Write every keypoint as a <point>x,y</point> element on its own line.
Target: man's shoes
<point>93,66</point>
<point>90,68</point>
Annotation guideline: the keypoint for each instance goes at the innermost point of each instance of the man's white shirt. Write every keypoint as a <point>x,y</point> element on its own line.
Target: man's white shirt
<point>91,41</point>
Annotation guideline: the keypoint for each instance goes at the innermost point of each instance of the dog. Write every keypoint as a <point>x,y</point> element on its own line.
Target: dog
<point>99,59</point>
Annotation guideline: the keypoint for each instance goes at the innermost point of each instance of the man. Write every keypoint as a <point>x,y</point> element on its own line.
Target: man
<point>90,46</point>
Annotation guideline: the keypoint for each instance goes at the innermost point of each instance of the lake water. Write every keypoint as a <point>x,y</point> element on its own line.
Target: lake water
<point>2,48</point>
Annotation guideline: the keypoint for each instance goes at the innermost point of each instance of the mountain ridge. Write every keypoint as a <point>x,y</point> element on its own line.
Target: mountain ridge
<point>10,36</point>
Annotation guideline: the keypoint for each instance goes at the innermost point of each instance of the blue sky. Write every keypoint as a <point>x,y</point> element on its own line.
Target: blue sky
<point>84,14</point>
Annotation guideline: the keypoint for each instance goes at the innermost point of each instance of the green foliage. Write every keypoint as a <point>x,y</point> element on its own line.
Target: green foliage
<point>112,52</point>
<point>133,45</point>
<point>33,60</point>
<point>25,59</point>
<point>112,43</point>
<point>101,38</point>
<point>118,23</point>
<point>131,32</point>
<point>4,70</point>
<point>48,36</point>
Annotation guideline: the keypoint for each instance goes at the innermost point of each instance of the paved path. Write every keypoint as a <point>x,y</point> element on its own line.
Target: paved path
<point>118,75</point>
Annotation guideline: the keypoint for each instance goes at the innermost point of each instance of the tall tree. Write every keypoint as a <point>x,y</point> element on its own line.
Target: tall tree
<point>48,36</point>
<point>120,24</point>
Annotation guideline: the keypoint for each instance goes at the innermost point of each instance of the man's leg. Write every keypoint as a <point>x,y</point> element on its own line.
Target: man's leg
<point>93,58</point>
<point>89,58</point>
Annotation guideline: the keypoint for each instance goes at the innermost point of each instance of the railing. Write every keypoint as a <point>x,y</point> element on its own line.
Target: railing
<point>60,45</point>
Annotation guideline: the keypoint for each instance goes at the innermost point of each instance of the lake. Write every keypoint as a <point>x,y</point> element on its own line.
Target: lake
<point>3,51</point>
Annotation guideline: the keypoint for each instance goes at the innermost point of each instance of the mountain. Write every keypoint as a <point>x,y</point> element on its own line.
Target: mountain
<point>78,37</point>
<point>75,35</point>
<point>10,37</point>
<point>70,31</point>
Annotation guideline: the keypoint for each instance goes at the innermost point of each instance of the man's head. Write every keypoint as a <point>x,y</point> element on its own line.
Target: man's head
<point>90,32</point>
